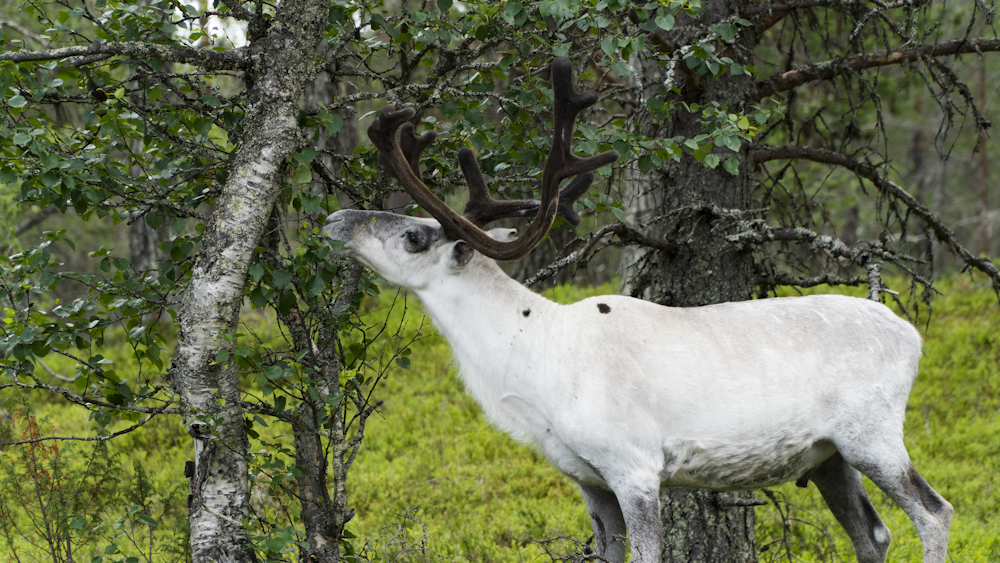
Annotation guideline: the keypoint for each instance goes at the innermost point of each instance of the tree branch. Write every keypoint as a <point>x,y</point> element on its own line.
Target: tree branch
<point>770,14</point>
<point>870,173</point>
<point>22,30</point>
<point>84,401</point>
<point>204,58</point>
<point>239,12</point>
<point>628,236</point>
<point>830,69</point>
<point>106,438</point>
<point>35,219</point>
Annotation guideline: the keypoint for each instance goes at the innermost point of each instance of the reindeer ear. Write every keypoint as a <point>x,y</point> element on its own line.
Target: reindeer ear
<point>461,253</point>
<point>502,235</point>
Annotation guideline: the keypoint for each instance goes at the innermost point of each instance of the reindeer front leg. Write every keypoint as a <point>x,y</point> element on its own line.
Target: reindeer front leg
<point>640,506</point>
<point>609,524</point>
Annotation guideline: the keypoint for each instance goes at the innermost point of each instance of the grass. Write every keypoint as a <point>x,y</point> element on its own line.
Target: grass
<point>485,498</point>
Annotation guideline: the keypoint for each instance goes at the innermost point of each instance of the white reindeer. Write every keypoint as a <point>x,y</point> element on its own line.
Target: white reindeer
<point>625,396</point>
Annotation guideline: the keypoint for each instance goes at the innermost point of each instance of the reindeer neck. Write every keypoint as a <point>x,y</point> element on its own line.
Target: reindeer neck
<point>496,327</point>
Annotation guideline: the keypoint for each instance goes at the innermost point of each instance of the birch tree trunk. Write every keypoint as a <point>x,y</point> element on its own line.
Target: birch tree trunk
<point>675,202</point>
<point>277,67</point>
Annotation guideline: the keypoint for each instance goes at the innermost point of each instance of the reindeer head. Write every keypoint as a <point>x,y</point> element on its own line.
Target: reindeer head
<point>404,249</point>
<point>407,251</point>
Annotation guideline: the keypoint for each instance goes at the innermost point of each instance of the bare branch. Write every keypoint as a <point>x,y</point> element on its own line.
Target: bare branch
<point>53,372</point>
<point>35,219</point>
<point>776,279</point>
<point>135,426</point>
<point>627,234</point>
<point>770,14</point>
<point>86,401</point>
<point>830,69</point>
<point>204,58</point>
<point>22,30</point>
<point>870,173</point>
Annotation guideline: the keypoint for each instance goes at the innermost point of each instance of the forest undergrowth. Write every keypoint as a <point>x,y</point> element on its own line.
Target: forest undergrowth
<point>431,463</point>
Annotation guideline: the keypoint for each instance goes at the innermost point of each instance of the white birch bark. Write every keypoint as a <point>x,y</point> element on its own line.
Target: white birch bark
<point>278,65</point>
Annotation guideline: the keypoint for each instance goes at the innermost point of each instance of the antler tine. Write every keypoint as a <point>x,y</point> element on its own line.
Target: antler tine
<point>482,209</point>
<point>561,162</point>
<point>412,146</point>
<point>572,192</point>
<point>382,132</point>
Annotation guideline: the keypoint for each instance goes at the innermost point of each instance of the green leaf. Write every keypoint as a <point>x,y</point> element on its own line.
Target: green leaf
<point>665,22</point>
<point>609,45</point>
<point>286,302</point>
<point>256,272</point>
<point>311,203</point>
<point>281,277</point>
<point>51,178</point>
<point>222,356</point>
<point>259,298</point>
<point>21,139</point>
<point>333,124</point>
<point>316,287</point>
<point>712,161</point>
<point>645,163</point>
<point>17,101</point>
<point>403,362</point>
<point>726,30</point>
<point>621,68</point>
<point>77,522</point>
<point>514,13</point>
<point>302,174</point>
<point>275,544</point>
<point>7,176</point>
<point>444,5</point>
<point>732,166</point>
<point>306,156</point>
<point>154,219</point>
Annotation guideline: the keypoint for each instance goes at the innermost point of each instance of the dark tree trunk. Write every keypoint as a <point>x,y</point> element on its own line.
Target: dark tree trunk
<point>681,202</point>
<point>142,246</point>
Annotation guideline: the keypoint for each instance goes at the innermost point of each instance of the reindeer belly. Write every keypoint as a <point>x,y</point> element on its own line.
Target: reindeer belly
<point>739,466</point>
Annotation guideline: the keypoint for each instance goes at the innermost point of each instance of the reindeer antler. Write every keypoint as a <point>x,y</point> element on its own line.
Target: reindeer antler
<point>401,162</point>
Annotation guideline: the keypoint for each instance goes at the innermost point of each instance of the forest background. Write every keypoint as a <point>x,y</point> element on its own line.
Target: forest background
<point>126,187</point>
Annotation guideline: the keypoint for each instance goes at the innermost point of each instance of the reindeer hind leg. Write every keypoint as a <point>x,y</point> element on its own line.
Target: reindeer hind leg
<point>845,495</point>
<point>889,467</point>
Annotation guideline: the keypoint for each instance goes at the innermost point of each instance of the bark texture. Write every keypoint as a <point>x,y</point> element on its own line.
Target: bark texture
<point>681,202</point>
<point>277,67</point>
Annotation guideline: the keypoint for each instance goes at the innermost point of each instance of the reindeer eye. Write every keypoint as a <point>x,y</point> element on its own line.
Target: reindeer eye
<point>415,241</point>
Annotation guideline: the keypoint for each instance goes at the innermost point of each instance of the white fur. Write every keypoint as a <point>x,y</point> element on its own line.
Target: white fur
<point>730,396</point>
